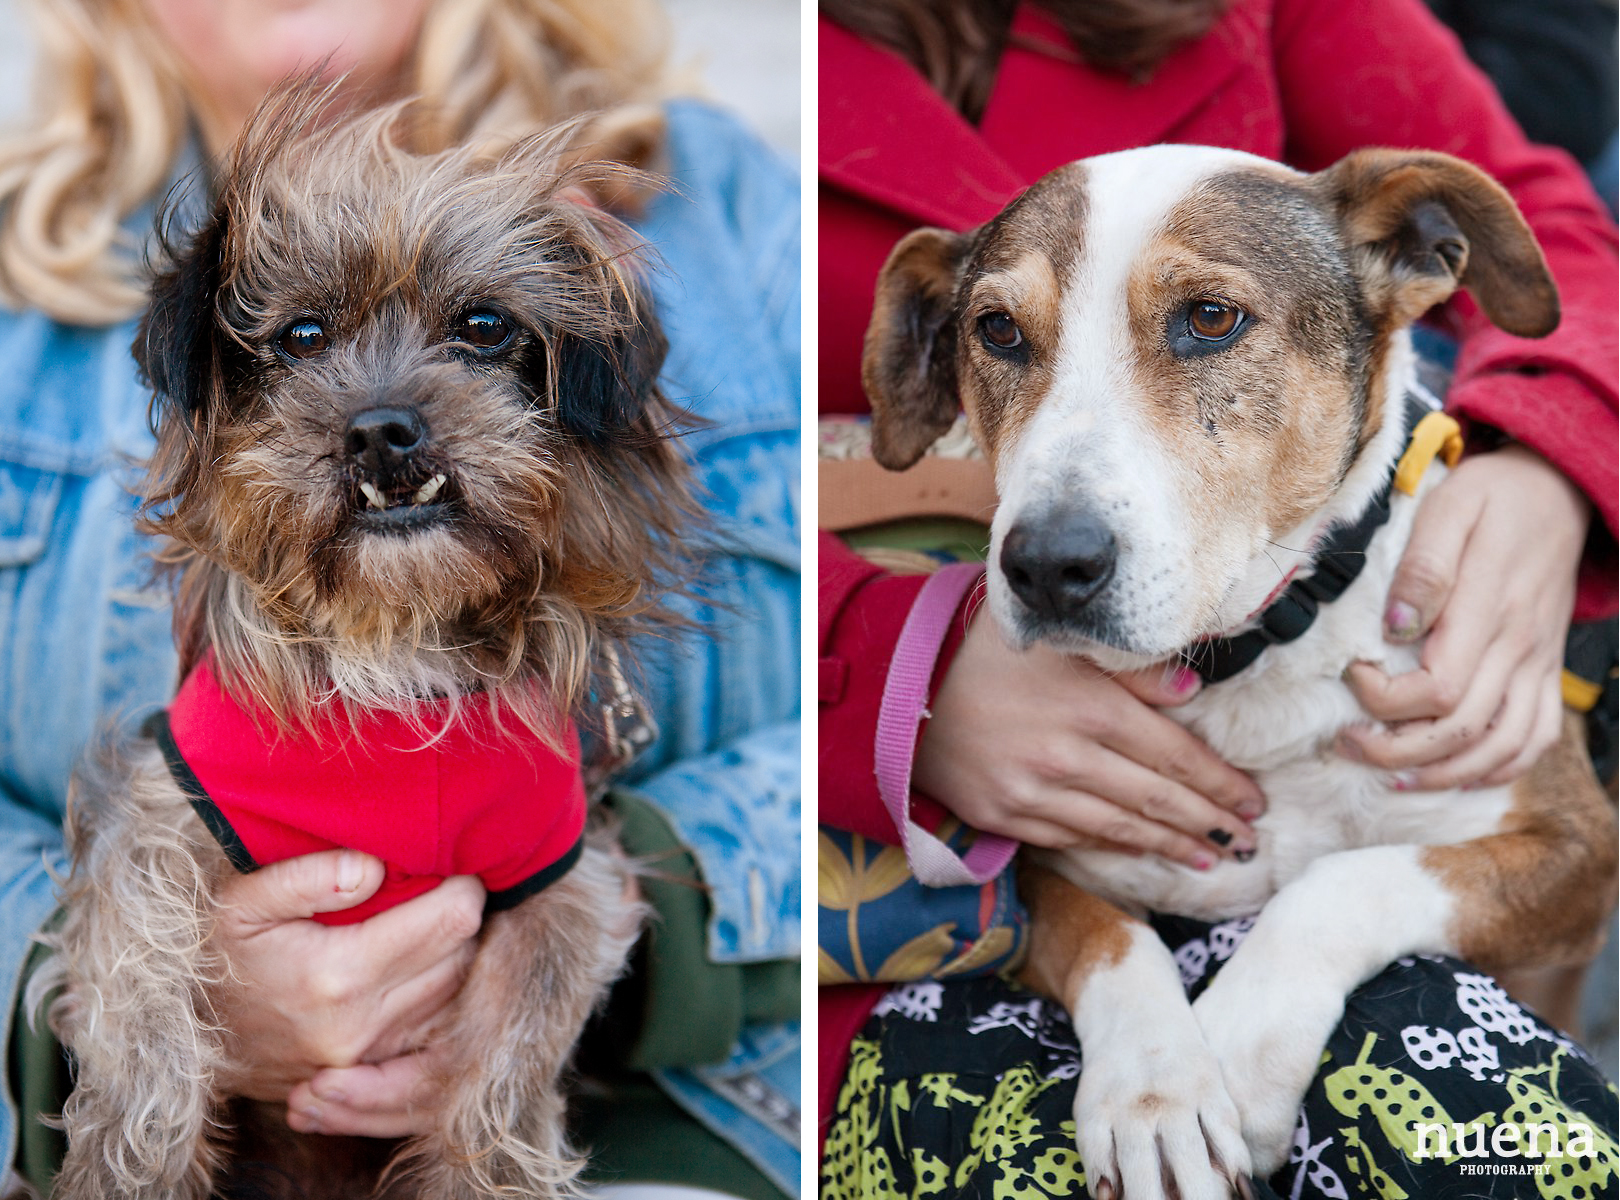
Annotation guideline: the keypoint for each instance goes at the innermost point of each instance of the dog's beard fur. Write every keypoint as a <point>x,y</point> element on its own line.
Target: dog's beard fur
<point>559,524</point>
<point>565,503</point>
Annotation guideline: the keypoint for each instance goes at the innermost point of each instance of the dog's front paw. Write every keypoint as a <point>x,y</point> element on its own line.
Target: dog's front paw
<point>1153,1121</point>
<point>1268,1047</point>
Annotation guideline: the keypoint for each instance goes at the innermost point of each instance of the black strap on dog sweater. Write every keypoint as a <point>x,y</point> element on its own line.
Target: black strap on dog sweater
<point>1337,565</point>
<point>157,728</point>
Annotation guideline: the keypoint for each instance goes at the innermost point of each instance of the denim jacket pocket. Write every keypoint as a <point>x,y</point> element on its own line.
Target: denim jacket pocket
<point>27,503</point>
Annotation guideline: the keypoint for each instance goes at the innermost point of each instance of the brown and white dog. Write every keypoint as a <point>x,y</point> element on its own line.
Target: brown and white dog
<point>418,484</point>
<point>1186,365</point>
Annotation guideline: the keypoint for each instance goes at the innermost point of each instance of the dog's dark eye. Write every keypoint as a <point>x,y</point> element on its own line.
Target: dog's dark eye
<point>483,328</point>
<point>303,339</point>
<point>1000,331</point>
<point>1213,320</point>
<point>1206,326</point>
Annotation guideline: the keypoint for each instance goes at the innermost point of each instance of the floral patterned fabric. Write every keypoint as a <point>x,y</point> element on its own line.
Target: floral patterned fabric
<point>967,1089</point>
<point>870,910</point>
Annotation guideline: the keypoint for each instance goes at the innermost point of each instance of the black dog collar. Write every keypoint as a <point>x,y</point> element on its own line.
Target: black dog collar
<point>1337,565</point>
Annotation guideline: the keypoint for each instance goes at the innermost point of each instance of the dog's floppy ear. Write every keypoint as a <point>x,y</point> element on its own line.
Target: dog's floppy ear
<point>1421,224</point>
<point>908,366</point>
<point>606,384</point>
<point>178,344</point>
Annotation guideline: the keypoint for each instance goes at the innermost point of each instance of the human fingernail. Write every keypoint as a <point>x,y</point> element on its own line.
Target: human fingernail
<point>1348,748</point>
<point>331,1095</point>
<point>350,872</point>
<point>1220,837</point>
<point>1401,619</point>
<point>1202,862</point>
<point>1182,680</point>
<point>1403,781</point>
<point>1250,810</point>
<point>1244,856</point>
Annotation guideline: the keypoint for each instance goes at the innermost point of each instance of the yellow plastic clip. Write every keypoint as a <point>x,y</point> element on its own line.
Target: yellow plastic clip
<point>1435,434</point>
<point>1581,695</point>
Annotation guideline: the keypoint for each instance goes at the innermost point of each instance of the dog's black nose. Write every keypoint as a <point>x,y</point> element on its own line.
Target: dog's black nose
<point>382,438</point>
<point>1057,563</point>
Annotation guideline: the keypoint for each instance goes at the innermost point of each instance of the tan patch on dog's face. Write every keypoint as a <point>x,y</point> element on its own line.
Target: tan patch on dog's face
<point>1178,359</point>
<point>1267,420</point>
<point>999,391</point>
<point>1020,266</point>
<point>1190,454</point>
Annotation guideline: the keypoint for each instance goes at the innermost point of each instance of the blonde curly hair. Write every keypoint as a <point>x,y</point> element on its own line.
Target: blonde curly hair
<point>112,114</point>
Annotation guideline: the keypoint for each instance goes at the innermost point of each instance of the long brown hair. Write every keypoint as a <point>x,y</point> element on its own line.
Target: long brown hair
<point>957,44</point>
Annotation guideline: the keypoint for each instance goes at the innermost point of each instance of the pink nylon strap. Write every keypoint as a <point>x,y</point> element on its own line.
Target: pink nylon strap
<point>905,698</point>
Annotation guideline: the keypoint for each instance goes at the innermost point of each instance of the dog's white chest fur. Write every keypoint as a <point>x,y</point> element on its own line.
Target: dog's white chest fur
<point>1278,720</point>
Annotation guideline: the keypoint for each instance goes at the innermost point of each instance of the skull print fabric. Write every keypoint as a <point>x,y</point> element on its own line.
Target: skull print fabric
<point>1435,1086</point>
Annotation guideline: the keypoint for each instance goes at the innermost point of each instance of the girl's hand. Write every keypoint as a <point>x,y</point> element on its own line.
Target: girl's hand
<point>305,996</point>
<point>398,1097</point>
<point>1047,748</point>
<point>1489,576</point>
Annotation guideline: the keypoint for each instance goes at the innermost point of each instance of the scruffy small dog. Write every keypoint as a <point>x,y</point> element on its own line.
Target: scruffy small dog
<point>415,473</point>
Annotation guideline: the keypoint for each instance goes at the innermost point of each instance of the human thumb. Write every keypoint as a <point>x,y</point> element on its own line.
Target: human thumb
<point>1428,568</point>
<point>1163,686</point>
<point>298,888</point>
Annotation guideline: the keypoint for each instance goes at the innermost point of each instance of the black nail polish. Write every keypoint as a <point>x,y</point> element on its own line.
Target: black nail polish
<point>1244,855</point>
<point>1220,837</point>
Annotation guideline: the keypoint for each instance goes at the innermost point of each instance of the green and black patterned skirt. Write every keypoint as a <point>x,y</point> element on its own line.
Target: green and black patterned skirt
<point>966,1089</point>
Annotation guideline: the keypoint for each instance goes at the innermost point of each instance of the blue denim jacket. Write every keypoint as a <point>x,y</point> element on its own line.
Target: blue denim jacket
<point>84,638</point>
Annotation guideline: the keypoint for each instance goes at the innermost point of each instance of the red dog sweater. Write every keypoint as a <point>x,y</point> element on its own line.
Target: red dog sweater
<point>479,800</point>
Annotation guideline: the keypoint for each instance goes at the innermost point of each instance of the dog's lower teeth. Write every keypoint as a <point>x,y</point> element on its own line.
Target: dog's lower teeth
<point>373,497</point>
<point>428,490</point>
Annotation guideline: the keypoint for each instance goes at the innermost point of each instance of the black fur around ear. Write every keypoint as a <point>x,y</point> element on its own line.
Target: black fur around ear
<point>604,387</point>
<point>178,346</point>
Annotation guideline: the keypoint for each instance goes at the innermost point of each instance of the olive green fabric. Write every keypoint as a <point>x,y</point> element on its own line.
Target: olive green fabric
<point>678,1008</point>
<point>634,1133</point>
<point>39,1077</point>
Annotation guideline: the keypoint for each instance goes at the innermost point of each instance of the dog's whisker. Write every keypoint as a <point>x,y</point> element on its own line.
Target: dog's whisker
<point>1290,549</point>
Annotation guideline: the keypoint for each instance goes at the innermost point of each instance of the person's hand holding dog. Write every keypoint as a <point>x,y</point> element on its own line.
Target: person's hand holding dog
<point>379,986</point>
<point>1489,578</point>
<point>1049,749</point>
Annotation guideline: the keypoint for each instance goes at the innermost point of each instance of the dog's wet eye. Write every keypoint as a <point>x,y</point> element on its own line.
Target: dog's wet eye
<point>1212,320</point>
<point>483,328</point>
<point>303,339</point>
<point>1000,331</point>
<point>1205,326</point>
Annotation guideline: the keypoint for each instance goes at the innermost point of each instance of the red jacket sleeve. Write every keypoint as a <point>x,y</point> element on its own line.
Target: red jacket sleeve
<point>1386,72</point>
<point>861,610</point>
